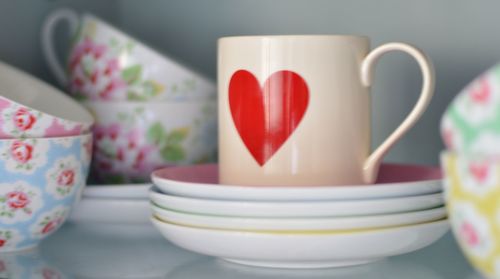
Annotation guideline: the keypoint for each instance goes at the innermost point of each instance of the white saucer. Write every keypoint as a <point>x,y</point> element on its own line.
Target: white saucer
<point>299,224</point>
<point>118,191</point>
<point>201,181</point>
<point>308,250</point>
<point>296,208</point>
<point>111,211</point>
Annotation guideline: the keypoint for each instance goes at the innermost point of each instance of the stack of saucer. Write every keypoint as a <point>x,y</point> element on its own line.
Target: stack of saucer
<point>316,226</point>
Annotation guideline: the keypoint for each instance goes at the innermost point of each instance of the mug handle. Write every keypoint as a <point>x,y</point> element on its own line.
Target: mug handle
<point>372,163</point>
<point>49,52</point>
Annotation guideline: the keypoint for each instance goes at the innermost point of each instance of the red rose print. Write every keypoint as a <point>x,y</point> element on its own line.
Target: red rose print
<point>2,242</point>
<point>87,47</point>
<point>21,152</point>
<point>120,154</point>
<point>93,77</point>
<point>66,178</point>
<point>106,166</point>
<point>140,157</point>
<point>479,171</point>
<point>482,93</point>
<point>469,233</point>
<point>448,137</point>
<point>51,226</point>
<point>88,148</point>
<point>23,119</point>
<point>113,85</point>
<point>17,199</point>
<point>103,80</point>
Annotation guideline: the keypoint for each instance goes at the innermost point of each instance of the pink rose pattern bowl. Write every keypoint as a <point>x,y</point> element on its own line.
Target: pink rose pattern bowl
<point>105,65</point>
<point>41,180</point>
<point>132,143</point>
<point>19,121</point>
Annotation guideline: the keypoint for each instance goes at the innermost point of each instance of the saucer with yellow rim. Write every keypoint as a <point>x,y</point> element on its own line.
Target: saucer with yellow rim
<point>298,224</point>
<point>303,250</point>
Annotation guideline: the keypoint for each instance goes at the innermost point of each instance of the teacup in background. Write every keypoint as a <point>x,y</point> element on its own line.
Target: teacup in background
<point>295,110</point>
<point>108,65</point>
<point>29,108</point>
<point>41,180</point>
<point>131,140</point>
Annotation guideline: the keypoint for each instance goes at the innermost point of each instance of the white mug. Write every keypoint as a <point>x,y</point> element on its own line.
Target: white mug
<point>296,110</point>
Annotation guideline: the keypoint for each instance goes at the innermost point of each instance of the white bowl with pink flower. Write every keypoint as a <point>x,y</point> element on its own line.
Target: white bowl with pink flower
<point>29,108</point>
<point>471,123</point>
<point>42,178</point>
<point>470,128</point>
<point>132,139</point>
<point>472,191</point>
<point>105,64</point>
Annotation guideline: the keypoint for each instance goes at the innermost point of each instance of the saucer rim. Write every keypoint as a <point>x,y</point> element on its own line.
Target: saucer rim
<point>323,208</point>
<point>117,191</point>
<point>110,211</point>
<point>294,193</point>
<point>311,248</point>
<point>154,219</point>
<point>299,225</point>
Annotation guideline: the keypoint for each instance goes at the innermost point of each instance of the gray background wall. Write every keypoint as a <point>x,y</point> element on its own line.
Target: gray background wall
<point>460,36</point>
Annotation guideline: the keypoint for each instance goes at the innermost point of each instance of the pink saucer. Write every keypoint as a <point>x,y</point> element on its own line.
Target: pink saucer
<point>395,180</point>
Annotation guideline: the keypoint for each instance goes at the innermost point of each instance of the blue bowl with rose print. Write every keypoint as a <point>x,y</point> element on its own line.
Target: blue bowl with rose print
<point>40,181</point>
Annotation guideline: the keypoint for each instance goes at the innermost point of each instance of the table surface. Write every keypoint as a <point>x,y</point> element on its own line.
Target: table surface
<point>128,251</point>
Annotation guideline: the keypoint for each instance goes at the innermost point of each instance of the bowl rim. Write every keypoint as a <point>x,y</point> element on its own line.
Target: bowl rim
<point>165,57</point>
<point>75,113</point>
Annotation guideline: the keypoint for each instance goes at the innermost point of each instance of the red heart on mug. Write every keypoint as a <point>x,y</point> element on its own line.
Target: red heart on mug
<point>265,117</point>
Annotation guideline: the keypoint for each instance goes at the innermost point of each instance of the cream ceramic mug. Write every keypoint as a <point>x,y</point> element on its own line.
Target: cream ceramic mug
<point>295,110</point>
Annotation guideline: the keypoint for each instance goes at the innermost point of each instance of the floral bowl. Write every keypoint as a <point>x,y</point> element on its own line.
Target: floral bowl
<point>471,123</point>
<point>472,191</point>
<point>106,64</point>
<point>29,108</point>
<point>41,181</point>
<point>132,139</point>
